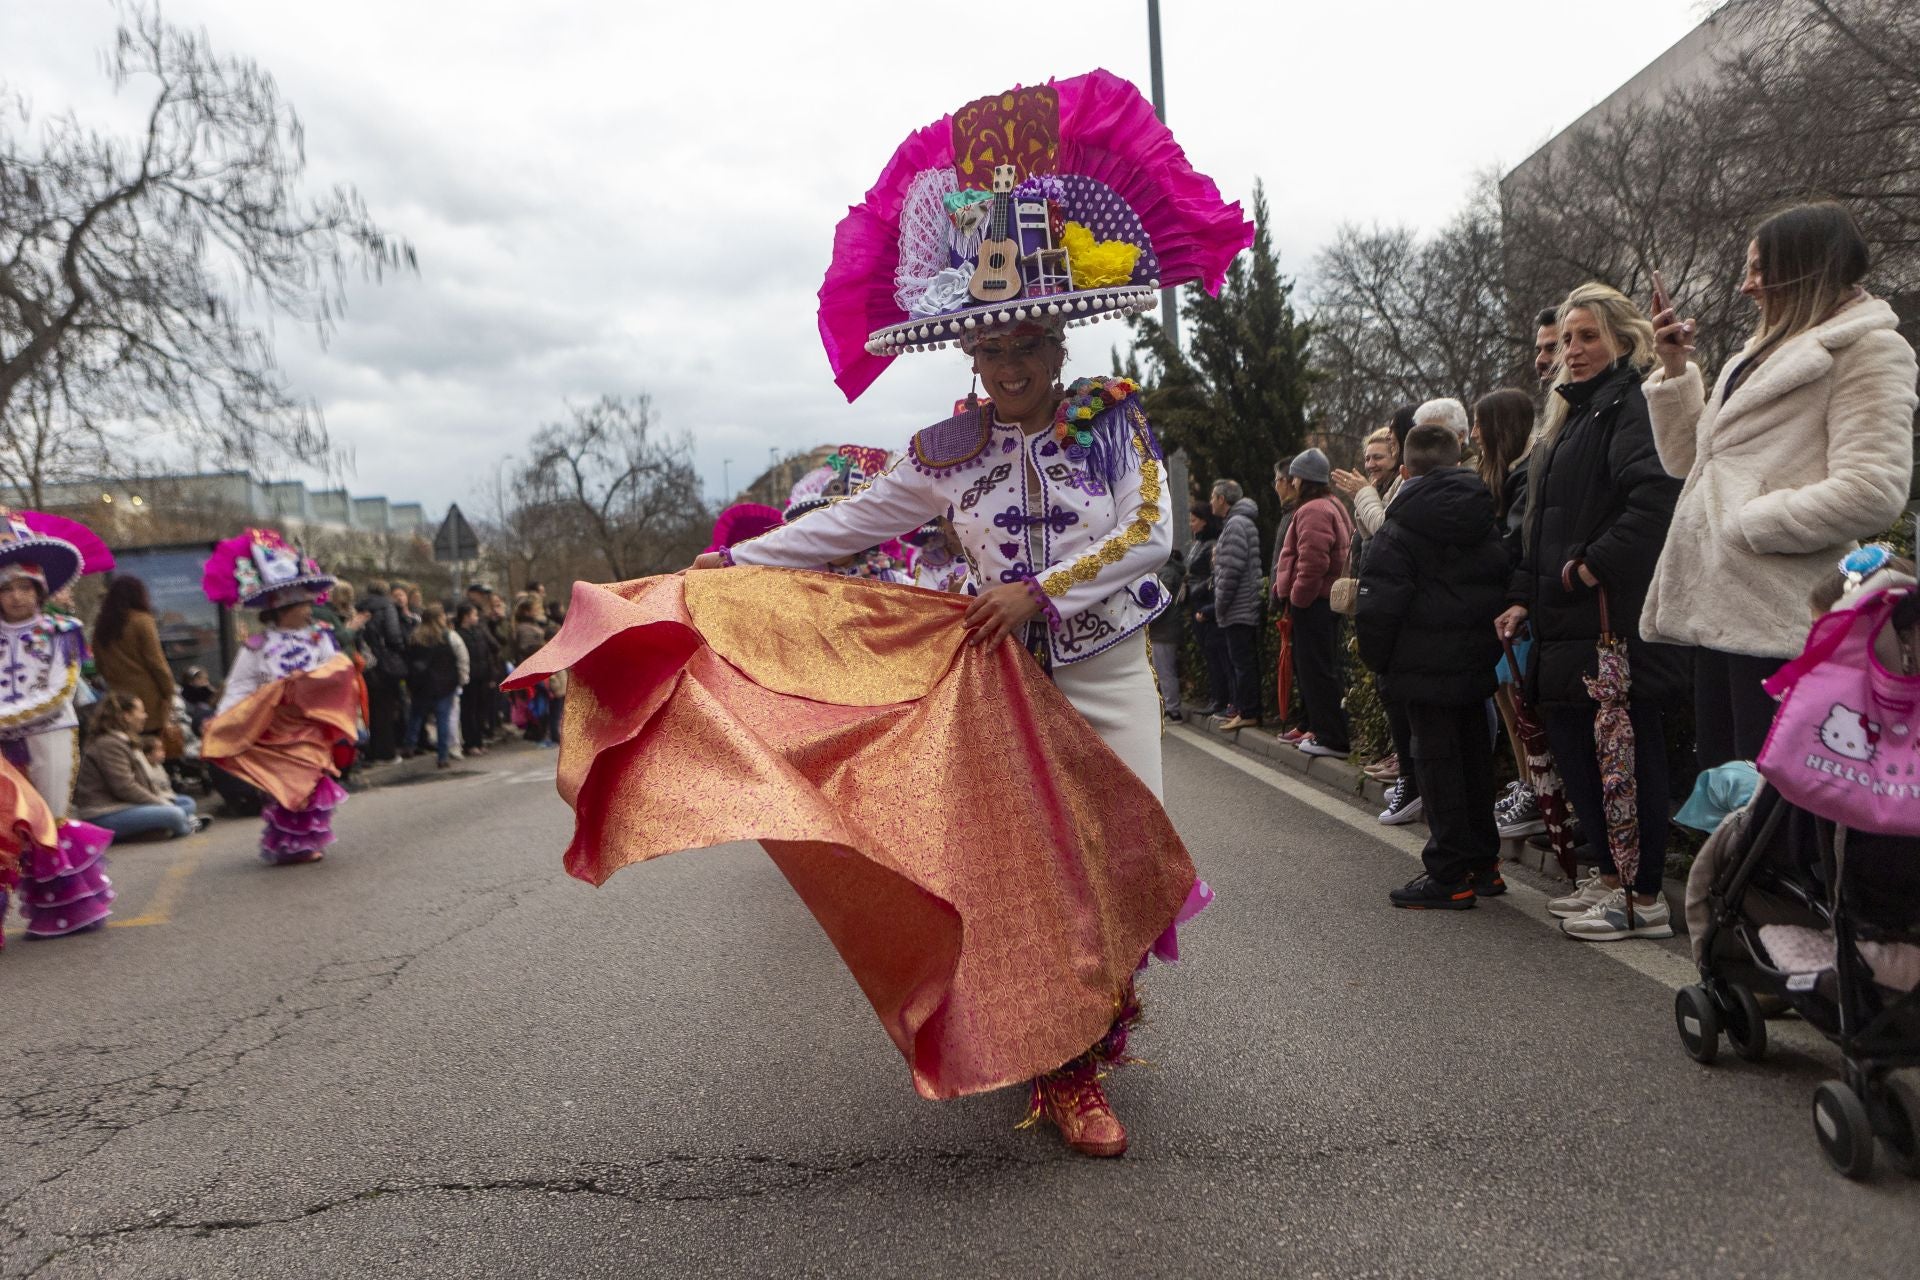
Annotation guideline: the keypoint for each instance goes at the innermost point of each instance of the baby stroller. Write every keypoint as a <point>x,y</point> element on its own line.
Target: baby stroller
<point>1826,899</point>
<point>1823,916</point>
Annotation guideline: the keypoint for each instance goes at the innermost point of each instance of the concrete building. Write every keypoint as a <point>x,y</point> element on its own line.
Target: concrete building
<point>1691,59</point>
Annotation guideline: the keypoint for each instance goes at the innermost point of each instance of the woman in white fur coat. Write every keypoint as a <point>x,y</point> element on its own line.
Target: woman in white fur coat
<point>1804,447</point>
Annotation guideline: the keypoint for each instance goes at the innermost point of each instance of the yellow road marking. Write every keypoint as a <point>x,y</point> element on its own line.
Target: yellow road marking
<point>160,910</point>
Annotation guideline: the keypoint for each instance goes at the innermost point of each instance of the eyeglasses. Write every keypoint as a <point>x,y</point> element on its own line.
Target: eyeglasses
<point>1000,350</point>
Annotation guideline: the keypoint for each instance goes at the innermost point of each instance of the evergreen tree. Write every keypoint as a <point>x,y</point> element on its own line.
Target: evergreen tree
<point>1236,398</point>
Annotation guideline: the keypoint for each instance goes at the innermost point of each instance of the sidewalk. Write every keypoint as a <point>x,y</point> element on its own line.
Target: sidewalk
<point>1346,779</point>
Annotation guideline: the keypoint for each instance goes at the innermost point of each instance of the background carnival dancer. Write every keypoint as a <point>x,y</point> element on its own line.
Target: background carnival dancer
<point>939,560</point>
<point>1056,494</point>
<point>59,868</point>
<point>290,697</point>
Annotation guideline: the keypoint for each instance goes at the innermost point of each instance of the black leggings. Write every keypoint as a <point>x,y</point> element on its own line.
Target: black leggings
<point>1731,712</point>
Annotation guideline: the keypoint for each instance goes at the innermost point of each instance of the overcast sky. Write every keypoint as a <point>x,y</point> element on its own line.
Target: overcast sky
<point>621,196</point>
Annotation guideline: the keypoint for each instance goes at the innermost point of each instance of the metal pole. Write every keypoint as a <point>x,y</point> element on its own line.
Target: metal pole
<point>726,477</point>
<point>1169,304</point>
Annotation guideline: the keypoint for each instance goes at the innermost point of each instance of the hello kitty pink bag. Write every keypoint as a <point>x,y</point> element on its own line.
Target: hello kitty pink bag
<point>1843,742</point>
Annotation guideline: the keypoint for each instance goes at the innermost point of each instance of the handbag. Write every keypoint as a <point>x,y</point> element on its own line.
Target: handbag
<point>1843,743</point>
<point>1345,597</point>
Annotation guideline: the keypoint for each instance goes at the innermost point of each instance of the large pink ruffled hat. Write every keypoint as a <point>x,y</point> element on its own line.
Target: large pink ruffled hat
<point>261,570</point>
<point>51,550</point>
<point>1057,204</point>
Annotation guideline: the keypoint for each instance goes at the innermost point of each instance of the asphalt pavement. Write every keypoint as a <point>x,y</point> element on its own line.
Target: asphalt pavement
<point>433,1054</point>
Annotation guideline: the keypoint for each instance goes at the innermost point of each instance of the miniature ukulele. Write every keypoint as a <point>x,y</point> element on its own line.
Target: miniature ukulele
<point>997,277</point>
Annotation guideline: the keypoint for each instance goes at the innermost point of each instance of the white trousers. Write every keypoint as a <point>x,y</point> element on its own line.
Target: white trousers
<point>53,762</point>
<point>1115,692</point>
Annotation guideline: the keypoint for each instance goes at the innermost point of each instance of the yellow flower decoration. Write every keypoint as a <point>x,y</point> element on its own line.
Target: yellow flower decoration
<point>1094,264</point>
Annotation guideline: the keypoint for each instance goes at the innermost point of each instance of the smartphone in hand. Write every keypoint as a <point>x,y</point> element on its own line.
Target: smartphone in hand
<point>1660,300</point>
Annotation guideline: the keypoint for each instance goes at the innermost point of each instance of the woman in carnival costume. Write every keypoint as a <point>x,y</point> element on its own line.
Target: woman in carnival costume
<point>940,561</point>
<point>290,698</point>
<point>996,924</point>
<point>55,862</point>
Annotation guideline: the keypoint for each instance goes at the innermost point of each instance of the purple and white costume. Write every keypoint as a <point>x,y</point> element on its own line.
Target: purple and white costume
<point>1085,533</point>
<point>289,835</point>
<point>64,888</point>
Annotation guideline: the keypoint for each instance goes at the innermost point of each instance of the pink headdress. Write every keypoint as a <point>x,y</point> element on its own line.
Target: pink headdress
<point>50,549</point>
<point>741,521</point>
<point>1060,203</point>
<point>260,570</point>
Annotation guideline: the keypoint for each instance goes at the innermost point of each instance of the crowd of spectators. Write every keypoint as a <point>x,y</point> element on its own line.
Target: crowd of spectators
<point>432,672</point>
<point>1483,555</point>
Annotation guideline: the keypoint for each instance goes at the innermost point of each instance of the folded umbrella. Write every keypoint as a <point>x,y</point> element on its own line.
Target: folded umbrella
<point>1542,774</point>
<point>1610,686</point>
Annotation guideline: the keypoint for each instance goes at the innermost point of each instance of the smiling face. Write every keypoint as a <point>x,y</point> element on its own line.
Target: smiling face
<point>19,599</point>
<point>1018,372</point>
<point>1586,346</point>
<point>1377,461</point>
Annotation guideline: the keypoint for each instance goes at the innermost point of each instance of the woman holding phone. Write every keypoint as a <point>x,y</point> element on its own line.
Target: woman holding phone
<point>1804,447</point>
<point>1597,509</point>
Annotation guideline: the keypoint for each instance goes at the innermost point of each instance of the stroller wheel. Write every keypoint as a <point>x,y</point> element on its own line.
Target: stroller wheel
<point>1698,1023</point>
<point>1895,1108</point>
<point>1745,1025</point>
<point>1840,1122</point>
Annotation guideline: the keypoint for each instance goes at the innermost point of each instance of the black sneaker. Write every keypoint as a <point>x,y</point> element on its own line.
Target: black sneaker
<point>1176,716</point>
<point>1424,893</point>
<point>1487,882</point>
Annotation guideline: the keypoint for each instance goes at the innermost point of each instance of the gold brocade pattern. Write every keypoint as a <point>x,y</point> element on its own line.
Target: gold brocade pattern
<point>24,816</point>
<point>280,737</point>
<point>1136,534</point>
<point>990,919</point>
<point>831,644</point>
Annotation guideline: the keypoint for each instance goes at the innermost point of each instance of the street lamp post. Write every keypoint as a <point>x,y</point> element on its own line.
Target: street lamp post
<point>1169,304</point>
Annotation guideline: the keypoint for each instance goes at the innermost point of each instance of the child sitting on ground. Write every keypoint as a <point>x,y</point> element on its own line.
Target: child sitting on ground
<point>1435,578</point>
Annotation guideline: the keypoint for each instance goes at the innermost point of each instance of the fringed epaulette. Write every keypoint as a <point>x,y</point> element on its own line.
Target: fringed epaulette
<point>1102,424</point>
<point>946,447</point>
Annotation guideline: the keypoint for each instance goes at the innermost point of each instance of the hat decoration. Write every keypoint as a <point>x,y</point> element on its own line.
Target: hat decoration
<point>1054,205</point>
<point>52,550</point>
<point>260,570</point>
<point>849,467</point>
<point>741,521</point>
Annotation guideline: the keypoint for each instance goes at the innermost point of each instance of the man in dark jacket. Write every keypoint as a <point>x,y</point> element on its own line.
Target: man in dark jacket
<point>386,644</point>
<point>1236,597</point>
<point>1164,635</point>
<point>1434,581</point>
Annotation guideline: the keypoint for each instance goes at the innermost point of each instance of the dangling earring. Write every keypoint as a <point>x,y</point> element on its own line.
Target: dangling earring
<point>1059,392</point>
<point>973,395</point>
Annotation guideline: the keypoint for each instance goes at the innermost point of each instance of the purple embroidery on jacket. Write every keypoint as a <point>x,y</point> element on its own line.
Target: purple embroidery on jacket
<point>1058,520</point>
<point>985,485</point>
<point>1048,449</point>
<point>1009,549</point>
<point>1076,478</point>
<point>1020,572</point>
<point>1009,445</point>
<point>1148,594</point>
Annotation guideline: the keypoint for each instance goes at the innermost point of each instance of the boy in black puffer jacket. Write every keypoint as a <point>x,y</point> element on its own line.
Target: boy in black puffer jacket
<point>1434,580</point>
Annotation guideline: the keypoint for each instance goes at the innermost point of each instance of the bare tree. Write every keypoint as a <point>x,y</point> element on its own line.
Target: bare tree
<point>607,481</point>
<point>1398,319</point>
<point>131,268</point>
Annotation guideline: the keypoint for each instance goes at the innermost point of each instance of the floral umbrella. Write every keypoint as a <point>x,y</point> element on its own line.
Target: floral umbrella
<point>1542,774</point>
<point>1610,686</point>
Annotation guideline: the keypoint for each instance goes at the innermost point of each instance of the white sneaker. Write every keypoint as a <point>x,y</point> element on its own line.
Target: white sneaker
<point>1586,894</point>
<point>1401,807</point>
<point>1606,921</point>
<point>1312,747</point>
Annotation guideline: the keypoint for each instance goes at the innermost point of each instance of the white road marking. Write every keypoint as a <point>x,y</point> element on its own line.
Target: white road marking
<point>1664,967</point>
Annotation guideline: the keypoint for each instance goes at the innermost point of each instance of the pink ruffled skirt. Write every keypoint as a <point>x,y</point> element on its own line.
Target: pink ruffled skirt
<point>296,835</point>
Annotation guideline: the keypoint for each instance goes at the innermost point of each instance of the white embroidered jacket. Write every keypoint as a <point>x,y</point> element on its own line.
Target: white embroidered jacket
<point>1023,509</point>
<point>274,654</point>
<point>39,672</point>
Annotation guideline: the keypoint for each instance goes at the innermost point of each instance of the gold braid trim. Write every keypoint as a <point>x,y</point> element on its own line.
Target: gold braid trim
<point>50,706</point>
<point>1136,534</point>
